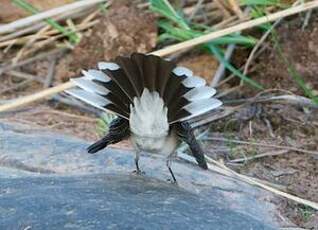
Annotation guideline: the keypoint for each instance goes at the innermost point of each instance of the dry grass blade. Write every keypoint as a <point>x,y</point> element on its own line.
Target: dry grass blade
<point>47,14</point>
<point>252,181</point>
<point>258,156</point>
<point>290,148</point>
<point>236,8</point>
<point>222,169</point>
<point>32,59</point>
<point>175,48</point>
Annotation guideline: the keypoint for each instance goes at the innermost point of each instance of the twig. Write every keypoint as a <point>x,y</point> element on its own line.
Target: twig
<point>22,40</point>
<point>58,112</point>
<point>228,54</point>
<point>46,14</point>
<point>50,74</point>
<point>76,104</point>
<point>224,22</point>
<point>290,148</point>
<point>258,44</point>
<point>222,169</point>
<point>288,98</point>
<point>267,154</point>
<point>228,91</point>
<point>215,115</point>
<point>222,8</point>
<point>44,43</point>
<point>32,59</point>
<point>221,69</point>
<point>306,20</point>
<point>174,48</point>
<point>236,8</point>
<point>196,9</point>
<point>16,86</point>
<point>293,99</point>
<point>252,181</point>
<point>25,76</point>
<point>42,94</point>
<point>33,28</point>
<point>29,43</point>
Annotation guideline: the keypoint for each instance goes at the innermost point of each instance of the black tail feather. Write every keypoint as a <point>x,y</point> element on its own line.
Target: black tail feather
<point>184,131</point>
<point>118,131</point>
<point>129,76</point>
<point>99,145</point>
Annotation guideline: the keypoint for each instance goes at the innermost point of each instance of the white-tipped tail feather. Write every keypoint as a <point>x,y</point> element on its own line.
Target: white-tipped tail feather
<point>107,65</point>
<point>90,86</point>
<point>200,93</point>
<point>89,97</point>
<point>193,81</point>
<point>94,74</point>
<point>180,71</point>
<point>200,107</point>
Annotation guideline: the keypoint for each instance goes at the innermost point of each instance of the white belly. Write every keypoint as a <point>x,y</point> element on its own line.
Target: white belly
<point>164,146</point>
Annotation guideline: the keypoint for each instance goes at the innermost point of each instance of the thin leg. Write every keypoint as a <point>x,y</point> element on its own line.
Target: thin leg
<point>137,171</point>
<point>170,170</point>
<point>137,162</point>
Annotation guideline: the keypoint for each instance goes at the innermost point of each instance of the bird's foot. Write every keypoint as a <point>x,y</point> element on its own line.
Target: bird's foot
<point>138,172</point>
<point>172,181</point>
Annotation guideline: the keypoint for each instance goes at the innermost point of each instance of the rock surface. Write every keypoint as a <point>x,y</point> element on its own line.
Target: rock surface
<point>48,181</point>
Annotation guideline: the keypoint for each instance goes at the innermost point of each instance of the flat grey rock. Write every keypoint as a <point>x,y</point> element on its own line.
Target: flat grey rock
<point>48,181</point>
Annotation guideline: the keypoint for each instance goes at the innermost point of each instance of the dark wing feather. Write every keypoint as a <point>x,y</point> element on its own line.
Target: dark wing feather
<point>118,131</point>
<point>185,133</point>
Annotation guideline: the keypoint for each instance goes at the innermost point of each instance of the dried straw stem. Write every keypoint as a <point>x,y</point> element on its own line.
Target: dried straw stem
<point>46,14</point>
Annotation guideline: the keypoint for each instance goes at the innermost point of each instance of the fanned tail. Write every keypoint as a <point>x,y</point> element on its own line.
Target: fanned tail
<point>113,87</point>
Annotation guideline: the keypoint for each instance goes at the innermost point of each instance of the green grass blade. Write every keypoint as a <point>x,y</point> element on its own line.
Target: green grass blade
<point>182,31</point>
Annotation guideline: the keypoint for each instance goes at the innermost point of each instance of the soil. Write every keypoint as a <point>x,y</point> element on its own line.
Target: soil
<point>300,47</point>
<point>203,65</point>
<point>123,30</point>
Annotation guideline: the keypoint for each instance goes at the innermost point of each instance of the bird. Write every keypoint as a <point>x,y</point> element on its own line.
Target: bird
<point>153,99</point>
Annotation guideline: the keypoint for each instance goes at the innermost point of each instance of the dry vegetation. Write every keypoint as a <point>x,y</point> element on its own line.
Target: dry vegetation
<point>267,76</point>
